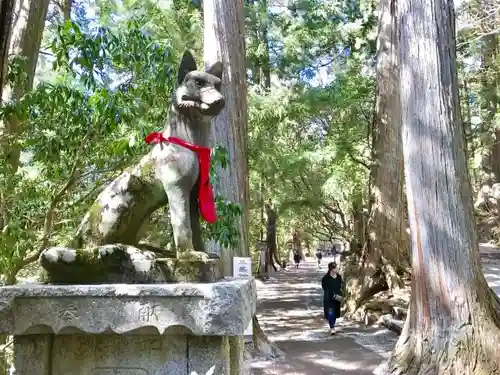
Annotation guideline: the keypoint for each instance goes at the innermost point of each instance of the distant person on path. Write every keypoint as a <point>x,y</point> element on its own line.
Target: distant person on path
<point>319,256</point>
<point>296,258</point>
<point>332,298</point>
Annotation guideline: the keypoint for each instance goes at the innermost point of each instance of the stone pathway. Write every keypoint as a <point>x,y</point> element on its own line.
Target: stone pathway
<point>290,312</point>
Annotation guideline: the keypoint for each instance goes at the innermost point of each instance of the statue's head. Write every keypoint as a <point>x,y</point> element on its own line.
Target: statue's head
<point>198,90</point>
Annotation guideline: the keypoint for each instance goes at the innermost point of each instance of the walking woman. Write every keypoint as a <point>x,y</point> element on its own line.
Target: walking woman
<point>332,298</point>
<point>296,258</point>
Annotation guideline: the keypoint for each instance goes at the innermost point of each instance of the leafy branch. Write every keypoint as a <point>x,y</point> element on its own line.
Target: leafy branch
<point>50,214</point>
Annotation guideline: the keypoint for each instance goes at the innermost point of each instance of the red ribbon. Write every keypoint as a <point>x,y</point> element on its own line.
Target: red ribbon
<point>206,202</point>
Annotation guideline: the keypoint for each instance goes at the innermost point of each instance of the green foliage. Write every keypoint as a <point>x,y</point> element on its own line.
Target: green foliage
<point>109,84</point>
<point>225,230</point>
<point>309,144</point>
<point>83,123</point>
<point>80,128</point>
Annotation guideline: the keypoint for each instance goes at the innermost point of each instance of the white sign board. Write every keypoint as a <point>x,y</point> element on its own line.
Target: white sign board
<point>242,267</point>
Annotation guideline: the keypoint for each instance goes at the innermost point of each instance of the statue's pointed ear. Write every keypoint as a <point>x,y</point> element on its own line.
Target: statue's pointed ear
<point>188,64</point>
<point>216,70</point>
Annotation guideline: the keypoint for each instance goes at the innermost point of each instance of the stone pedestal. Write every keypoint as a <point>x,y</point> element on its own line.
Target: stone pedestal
<point>124,264</point>
<point>179,270</point>
<point>120,329</point>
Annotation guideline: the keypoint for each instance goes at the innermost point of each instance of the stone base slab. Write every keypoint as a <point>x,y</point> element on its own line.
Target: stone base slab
<point>121,355</point>
<point>119,263</point>
<point>184,270</point>
<point>224,308</point>
<point>135,329</point>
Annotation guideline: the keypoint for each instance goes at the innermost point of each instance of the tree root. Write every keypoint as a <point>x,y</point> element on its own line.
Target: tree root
<point>365,278</point>
<point>460,350</point>
<point>262,343</point>
<point>496,305</point>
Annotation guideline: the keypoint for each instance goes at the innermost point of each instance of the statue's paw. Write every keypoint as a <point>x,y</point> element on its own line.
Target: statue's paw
<point>194,256</point>
<point>57,255</point>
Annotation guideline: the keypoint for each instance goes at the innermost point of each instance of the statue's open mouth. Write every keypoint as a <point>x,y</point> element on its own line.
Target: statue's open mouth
<point>211,109</point>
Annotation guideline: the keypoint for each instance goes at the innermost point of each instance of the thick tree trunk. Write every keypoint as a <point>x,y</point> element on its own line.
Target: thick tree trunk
<point>26,37</point>
<point>224,40</point>
<point>6,11</point>
<point>387,226</point>
<point>386,258</point>
<point>26,29</point>
<point>21,29</point>
<point>451,326</point>
<point>359,228</point>
<point>262,76</point>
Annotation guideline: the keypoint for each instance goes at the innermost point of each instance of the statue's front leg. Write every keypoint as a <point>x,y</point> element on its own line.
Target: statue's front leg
<point>180,216</point>
<point>178,202</point>
<point>195,220</point>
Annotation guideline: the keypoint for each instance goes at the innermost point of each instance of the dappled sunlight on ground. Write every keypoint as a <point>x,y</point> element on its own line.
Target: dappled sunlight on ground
<point>291,313</point>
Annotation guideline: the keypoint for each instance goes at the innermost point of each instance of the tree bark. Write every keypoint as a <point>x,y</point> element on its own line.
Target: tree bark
<point>26,37</point>
<point>386,254</point>
<point>358,220</point>
<point>26,30</point>
<point>6,9</point>
<point>261,205</point>
<point>6,12</point>
<point>21,29</point>
<point>387,226</point>
<point>261,74</point>
<point>451,327</point>
<point>224,40</point>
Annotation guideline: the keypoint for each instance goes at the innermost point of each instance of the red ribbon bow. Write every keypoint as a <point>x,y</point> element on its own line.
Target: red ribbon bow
<point>206,202</point>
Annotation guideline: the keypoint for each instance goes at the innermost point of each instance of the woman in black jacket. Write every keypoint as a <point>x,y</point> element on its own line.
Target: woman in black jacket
<point>296,258</point>
<point>332,298</point>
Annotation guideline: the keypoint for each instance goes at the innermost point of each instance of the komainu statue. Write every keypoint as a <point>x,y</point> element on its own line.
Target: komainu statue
<point>106,245</point>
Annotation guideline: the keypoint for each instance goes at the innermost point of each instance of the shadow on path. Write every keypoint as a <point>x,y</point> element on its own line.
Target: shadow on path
<point>290,312</point>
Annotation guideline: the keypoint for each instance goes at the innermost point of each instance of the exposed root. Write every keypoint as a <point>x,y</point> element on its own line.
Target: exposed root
<point>367,277</point>
<point>262,343</point>
<point>392,324</point>
<point>461,350</point>
<point>496,306</point>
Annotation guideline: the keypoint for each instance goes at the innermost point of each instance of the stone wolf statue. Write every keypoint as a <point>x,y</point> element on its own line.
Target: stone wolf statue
<point>174,171</point>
